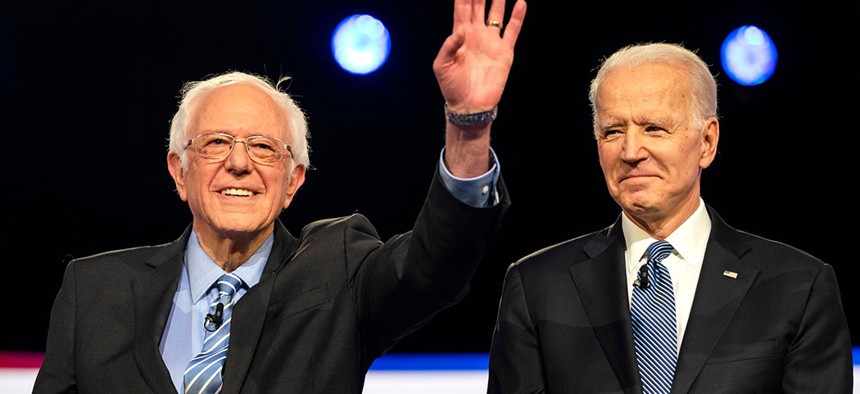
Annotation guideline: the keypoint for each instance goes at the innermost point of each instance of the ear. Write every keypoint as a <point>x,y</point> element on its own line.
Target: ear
<point>710,138</point>
<point>295,181</point>
<point>174,165</point>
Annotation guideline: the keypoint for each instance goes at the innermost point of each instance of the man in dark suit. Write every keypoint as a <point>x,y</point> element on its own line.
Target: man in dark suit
<point>306,314</point>
<point>748,314</point>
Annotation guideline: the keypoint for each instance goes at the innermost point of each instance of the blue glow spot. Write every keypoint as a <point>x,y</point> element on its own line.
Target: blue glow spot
<point>748,55</point>
<point>432,362</point>
<point>360,44</point>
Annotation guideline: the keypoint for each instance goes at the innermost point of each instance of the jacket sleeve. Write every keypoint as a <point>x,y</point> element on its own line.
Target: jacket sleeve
<point>515,356</point>
<point>400,285</point>
<point>57,373</point>
<point>819,357</point>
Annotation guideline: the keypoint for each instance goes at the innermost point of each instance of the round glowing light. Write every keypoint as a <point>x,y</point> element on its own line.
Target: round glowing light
<point>360,44</point>
<point>748,55</point>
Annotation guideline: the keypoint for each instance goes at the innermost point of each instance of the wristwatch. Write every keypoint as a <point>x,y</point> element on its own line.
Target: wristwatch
<point>471,119</point>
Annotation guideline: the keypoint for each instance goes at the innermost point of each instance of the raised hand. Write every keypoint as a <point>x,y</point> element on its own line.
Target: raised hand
<point>473,65</point>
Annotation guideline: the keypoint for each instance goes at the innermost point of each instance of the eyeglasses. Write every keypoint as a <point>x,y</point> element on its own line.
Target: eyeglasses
<point>218,146</point>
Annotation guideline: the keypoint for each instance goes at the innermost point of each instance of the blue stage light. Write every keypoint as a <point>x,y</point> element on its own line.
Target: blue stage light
<point>360,44</point>
<point>748,55</point>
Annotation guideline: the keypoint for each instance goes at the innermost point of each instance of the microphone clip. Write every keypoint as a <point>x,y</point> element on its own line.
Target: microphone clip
<point>213,321</point>
<point>642,281</point>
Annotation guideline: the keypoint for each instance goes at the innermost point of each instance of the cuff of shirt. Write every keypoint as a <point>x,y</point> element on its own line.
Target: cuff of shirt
<point>480,191</point>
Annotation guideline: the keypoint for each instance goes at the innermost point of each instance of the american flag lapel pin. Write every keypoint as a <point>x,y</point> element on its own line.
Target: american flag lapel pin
<point>730,274</point>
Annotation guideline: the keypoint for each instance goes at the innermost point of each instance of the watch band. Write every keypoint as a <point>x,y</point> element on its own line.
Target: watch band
<point>471,119</point>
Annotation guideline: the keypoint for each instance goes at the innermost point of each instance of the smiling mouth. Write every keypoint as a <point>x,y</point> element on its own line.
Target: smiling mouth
<point>237,192</point>
<point>637,176</point>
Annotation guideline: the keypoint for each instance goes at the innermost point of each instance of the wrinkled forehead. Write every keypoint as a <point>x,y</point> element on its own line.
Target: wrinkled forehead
<point>650,78</point>
<point>644,88</point>
<point>239,109</point>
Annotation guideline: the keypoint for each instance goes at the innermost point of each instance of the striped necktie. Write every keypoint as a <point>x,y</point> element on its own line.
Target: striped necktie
<point>653,318</point>
<point>203,375</point>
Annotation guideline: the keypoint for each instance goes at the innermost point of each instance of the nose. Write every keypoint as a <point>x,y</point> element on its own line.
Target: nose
<point>632,146</point>
<point>238,159</point>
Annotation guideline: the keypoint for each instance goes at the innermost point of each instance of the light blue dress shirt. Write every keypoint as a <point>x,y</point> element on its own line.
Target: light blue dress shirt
<point>183,336</point>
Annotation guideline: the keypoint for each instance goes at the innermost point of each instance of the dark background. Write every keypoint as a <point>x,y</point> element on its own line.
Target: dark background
<point>88,89</point>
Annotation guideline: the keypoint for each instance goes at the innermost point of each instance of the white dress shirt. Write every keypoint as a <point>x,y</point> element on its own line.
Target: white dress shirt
<point>684,263</point>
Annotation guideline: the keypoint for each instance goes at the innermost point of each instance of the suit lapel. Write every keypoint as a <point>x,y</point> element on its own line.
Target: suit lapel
<point>601,283</point>
<point>249,314</point>
<point>153,298</point>
<point>723,284</point>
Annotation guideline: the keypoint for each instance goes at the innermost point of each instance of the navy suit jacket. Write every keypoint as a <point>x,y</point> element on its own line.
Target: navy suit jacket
<point>564,321</point>
<point>327,305</point>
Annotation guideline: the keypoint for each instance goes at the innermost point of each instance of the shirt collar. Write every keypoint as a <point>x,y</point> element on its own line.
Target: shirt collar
<point>203,271</point>
<point>689,240</point>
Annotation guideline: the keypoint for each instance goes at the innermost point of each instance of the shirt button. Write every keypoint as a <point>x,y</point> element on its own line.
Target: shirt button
<point>485,190</point>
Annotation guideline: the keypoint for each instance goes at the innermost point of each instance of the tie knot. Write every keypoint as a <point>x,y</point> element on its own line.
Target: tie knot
<point>227,285</point>
<point>658,251</point>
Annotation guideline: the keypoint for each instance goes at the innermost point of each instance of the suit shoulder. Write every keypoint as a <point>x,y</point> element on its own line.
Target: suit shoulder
<point>341,223</point>
<point>760,251</point>
<point>113,264</point>
<point>559,255</point>
<point>137,252</point>
<point>770,253</point>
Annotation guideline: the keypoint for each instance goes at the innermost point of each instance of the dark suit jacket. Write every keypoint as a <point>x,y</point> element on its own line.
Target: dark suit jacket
<point>564,321</point>
<point>329,303</point>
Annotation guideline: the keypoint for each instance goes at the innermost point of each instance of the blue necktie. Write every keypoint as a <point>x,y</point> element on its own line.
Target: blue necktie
<point>653,317</point>
<point>203,375</point>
